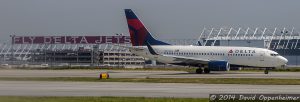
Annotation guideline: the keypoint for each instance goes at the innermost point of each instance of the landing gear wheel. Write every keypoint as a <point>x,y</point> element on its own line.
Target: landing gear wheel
<point>206,70</point>
<point>266,71</point>
<point>199,71</point>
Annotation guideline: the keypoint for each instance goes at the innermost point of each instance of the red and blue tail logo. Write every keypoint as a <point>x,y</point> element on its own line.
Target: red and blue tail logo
<point>139,35</point>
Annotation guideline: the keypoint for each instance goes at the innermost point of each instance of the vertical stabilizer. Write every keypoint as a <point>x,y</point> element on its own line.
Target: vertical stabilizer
<point>139,34</point>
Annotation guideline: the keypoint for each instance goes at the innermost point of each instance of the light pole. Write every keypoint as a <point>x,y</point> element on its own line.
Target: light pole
<point>284,34</point>
<point>228,42</point>
<point>119,36</point>
<point>92,55</point>
<point>12,48</point>
<point>4,54</point>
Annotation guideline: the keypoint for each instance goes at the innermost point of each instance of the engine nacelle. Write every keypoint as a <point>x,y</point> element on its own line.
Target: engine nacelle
<point>218,66</point>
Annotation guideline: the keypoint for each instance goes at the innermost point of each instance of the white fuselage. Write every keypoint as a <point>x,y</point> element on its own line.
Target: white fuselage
<point>243,56</point>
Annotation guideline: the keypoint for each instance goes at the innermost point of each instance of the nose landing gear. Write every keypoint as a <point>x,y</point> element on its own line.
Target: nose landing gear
<point>266,71</point>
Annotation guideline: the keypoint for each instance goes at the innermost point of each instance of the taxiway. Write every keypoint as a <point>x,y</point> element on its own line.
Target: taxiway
<point>143,74</point>
<point>44,88</point>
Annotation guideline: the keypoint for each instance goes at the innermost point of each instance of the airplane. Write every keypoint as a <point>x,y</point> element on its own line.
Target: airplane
<point>206,58</point>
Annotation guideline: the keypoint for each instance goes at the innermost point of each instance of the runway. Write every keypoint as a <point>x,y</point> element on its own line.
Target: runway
<point>43,88</point>
<point>143,74</point>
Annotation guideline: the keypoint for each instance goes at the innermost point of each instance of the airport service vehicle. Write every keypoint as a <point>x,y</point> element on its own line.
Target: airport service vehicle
<point>207,58</point>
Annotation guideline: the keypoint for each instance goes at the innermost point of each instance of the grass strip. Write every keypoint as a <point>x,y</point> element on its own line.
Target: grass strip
<point>96,99</point>
<point>250,81</point>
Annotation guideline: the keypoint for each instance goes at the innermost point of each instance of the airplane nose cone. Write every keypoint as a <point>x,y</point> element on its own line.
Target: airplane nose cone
<point>283,60</point>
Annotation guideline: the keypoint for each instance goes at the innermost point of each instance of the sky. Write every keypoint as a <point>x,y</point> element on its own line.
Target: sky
<point>165,19</point>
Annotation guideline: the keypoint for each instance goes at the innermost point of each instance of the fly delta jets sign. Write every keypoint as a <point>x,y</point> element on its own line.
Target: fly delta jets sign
<point>70,39</point>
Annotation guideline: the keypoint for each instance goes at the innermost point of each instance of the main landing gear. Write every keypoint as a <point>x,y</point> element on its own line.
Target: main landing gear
<point>206,70</point>
<point>267,71</point>
<point>200,70</point>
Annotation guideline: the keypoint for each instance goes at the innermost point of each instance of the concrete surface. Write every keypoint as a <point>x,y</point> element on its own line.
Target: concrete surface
<point>44,88</point>
<point>143,74</point>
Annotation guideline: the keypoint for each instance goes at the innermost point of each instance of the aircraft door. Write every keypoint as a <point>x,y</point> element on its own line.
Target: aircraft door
<point>262,56</point>
<point>229,57</point>
<point>212,55</point>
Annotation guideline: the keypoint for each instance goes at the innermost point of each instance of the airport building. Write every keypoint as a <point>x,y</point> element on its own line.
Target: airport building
<point>285,41</point>
<point>70,51</point>
<point>102,50</point>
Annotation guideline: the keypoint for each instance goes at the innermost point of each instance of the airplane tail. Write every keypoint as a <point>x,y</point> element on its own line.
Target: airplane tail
<point>139,34</point>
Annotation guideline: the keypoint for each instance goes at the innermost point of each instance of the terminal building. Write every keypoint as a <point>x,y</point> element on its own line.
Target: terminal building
<point>70,51</point>
<point>101,50</point>
<point>285,41</point>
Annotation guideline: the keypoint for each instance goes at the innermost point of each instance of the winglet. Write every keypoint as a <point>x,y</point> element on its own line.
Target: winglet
<point>151,50</point>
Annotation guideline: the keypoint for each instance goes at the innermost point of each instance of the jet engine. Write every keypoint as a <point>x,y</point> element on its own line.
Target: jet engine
<point>218,66</point>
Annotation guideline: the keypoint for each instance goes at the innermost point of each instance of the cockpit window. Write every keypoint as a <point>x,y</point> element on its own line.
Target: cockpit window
<point>274,54</point>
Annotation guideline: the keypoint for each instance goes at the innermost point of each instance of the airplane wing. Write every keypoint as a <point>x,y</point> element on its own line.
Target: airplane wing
<point>188,60</point>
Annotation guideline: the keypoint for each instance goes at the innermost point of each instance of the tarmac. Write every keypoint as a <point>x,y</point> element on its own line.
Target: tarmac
<point>130,89</point>
<point>144,74</point>
<point>124,89</point>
